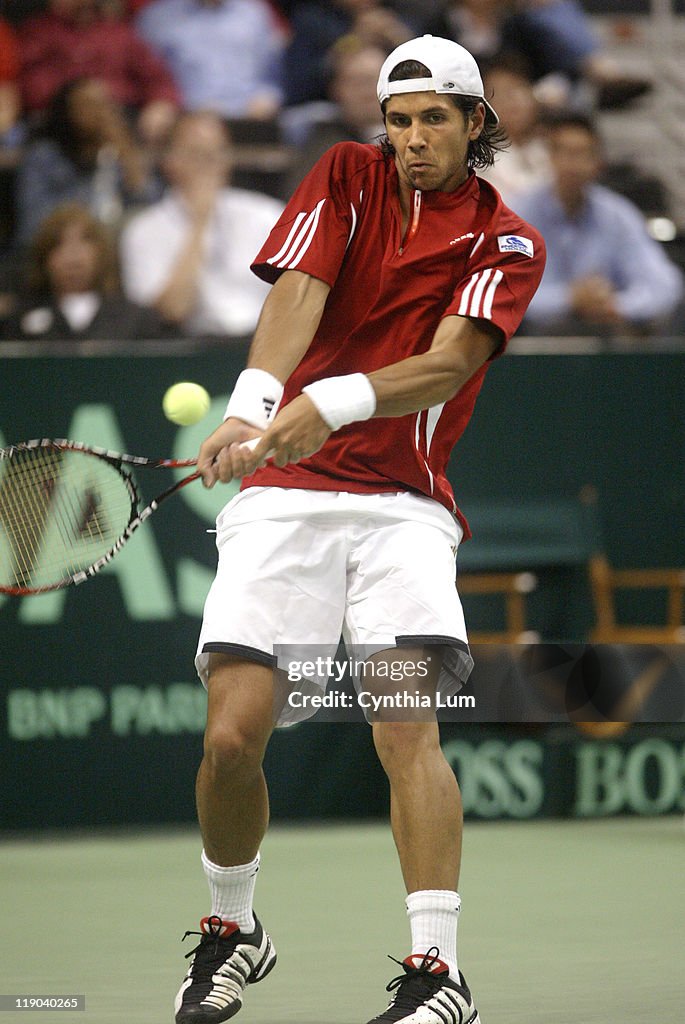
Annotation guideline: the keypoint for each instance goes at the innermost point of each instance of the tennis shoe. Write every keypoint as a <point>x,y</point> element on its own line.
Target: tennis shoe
<point>425,994</point>
<point>224,962</point>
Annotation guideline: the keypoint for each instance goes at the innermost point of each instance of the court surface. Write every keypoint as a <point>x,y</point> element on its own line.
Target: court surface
<point>562,922</point>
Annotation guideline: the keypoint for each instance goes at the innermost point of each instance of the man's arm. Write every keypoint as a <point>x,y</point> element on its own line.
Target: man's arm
<point>459,348</point>
<point>288,322</point>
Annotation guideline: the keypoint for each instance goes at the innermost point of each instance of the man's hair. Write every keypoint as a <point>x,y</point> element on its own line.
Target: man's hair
<point>58,125</point>
<point>481,151</point>
<point>573,119</point>
<point>184,117</point>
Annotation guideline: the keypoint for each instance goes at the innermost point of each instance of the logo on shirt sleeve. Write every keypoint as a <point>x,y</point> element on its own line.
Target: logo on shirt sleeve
<point>515,243</point>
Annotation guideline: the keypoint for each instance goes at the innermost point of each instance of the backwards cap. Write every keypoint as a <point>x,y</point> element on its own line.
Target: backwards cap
<point>453,71</point>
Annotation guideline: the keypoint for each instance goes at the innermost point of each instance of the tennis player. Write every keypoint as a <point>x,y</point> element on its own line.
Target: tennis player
<point>398,276</point>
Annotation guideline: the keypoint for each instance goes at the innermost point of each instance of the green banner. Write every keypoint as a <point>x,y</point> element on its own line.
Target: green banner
<point>101,716</point>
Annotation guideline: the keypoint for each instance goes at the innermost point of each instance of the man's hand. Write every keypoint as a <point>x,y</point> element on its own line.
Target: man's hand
<point>222,456</point>
<point>593,299</point>
<point>201,197</point>
<point>297,432</point>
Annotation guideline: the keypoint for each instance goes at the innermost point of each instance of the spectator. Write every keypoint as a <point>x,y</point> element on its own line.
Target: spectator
<point>524,164</point>
<point>225,54</point>
<point>189,255</point>
<point>86,152</point>
<point>317,26</point>
<point>79,38</point>
<point>556,39</point>
<point>604,271</point>
<point>10,105</point>
<point>72,287</point>
<point>476,25</point>
<point>354,114</point>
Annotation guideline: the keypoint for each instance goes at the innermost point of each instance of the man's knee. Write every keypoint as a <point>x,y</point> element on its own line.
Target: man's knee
<point>233,750</point>
<point>239,717</point>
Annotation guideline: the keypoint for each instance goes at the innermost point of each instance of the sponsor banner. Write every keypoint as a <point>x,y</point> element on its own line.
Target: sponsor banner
<point>129,755</point>
<point>604,688</point>
<point>101,716</point>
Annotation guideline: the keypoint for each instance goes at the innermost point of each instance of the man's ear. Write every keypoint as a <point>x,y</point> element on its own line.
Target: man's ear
<point>477,119</point>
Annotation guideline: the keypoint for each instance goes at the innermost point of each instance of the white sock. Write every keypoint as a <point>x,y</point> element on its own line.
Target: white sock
<point>433,917</point>
<point>232,891</point>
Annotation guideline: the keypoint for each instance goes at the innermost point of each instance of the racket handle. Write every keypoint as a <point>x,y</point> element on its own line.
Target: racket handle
<point>252,444</point>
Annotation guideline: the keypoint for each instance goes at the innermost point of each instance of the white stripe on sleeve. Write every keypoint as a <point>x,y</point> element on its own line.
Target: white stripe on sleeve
<point>303,240</point>
<point>466,294</point>
<point>308,241</point>
<point>298,239</point>
<point>284,248</point>
<point>490,294</point>
<point>478,292</point>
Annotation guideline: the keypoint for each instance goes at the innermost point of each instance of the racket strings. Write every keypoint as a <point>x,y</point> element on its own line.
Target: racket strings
<point>60,510</point>
<point>24,499</point>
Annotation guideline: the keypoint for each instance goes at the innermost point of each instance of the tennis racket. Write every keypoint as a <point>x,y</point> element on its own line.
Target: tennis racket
<point>66,509</point>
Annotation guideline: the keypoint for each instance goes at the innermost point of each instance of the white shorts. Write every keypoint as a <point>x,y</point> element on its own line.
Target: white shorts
<point>299,568</point>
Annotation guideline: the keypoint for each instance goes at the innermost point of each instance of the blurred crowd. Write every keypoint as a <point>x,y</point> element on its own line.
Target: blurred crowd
<point>147,147</point>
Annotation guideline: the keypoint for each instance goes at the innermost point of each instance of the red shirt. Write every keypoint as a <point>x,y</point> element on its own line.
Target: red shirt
<point>9,53</point>
<point>54,51</point>
<point>464,253</point>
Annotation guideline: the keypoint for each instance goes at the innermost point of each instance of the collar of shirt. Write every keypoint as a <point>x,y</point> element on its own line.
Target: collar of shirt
<point>435,199</point>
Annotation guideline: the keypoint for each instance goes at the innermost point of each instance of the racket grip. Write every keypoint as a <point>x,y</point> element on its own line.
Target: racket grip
<point>252,444</point>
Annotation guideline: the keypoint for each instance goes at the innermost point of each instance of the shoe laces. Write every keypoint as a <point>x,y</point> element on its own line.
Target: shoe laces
<point>206,958</point>
<point>419,981</point>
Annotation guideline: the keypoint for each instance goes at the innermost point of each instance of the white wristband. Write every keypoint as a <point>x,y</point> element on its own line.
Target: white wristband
<point>255,398</point>
<point>342,400</point>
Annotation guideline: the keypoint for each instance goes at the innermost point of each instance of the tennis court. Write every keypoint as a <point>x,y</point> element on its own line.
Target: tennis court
<point>563,921</point>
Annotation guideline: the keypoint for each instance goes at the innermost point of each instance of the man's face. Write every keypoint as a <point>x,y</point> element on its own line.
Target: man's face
<point>198,148</point>
<point>353,86</point>
<point>575,159</point>
<point>514,100</point>
<point>430,137</point>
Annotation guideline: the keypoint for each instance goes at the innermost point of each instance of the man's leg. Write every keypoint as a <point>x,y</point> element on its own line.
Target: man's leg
<point>426,818</point>
<point>231,794</point>
<point>233,811</point>
<point>425,804</point>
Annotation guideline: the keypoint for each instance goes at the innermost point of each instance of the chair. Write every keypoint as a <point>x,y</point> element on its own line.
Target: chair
<point>513,587</point>
<point>605,581</point>
<point>514,544</point>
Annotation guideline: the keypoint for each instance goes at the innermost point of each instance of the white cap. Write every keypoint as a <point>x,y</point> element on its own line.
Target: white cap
<point>453,69</point>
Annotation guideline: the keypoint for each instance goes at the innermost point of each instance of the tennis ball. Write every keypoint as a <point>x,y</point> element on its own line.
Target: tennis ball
<point>185,403</point>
